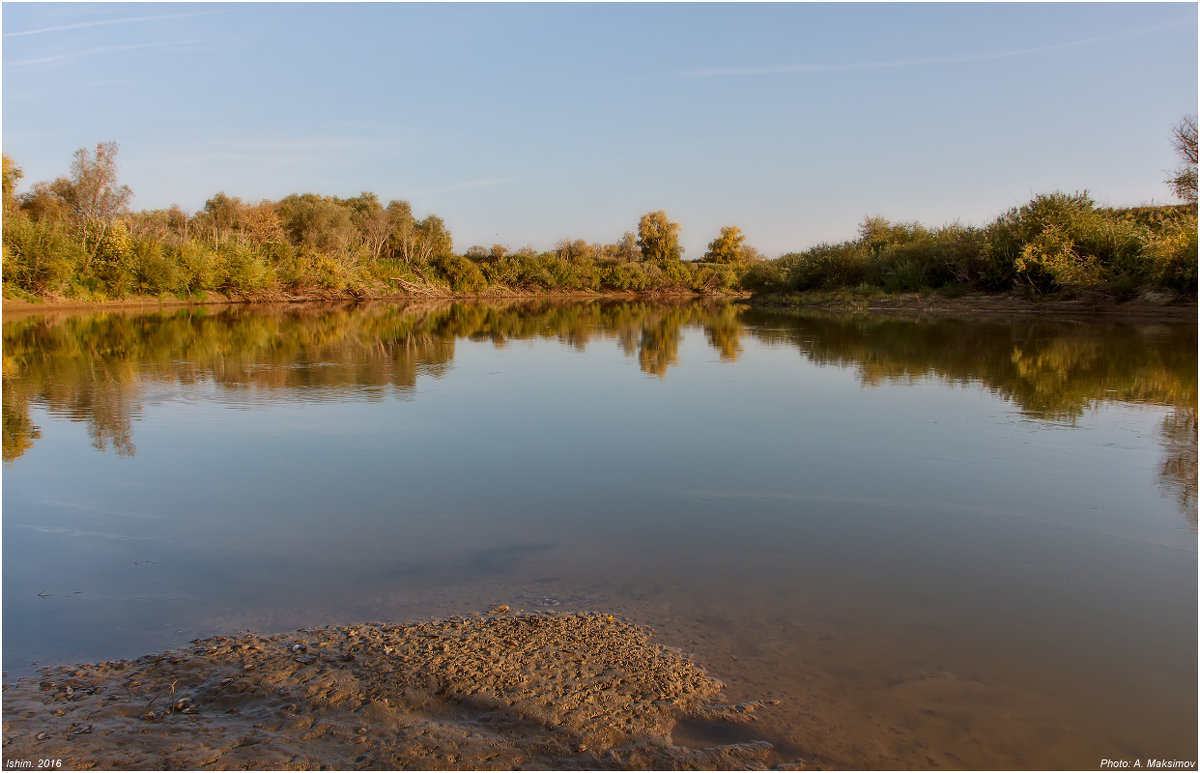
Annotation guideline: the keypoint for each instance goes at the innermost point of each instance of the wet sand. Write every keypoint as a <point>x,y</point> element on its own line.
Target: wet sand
<point>499,691</point>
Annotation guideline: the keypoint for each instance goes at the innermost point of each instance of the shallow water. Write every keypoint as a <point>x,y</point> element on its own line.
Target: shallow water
<point>937,543</point>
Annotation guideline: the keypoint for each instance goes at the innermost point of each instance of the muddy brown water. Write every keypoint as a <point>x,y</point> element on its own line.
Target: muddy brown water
<point>937,543</point>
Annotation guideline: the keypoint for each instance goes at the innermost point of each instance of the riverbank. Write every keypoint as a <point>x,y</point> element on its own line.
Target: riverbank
<point>984,305</point>
<point>25,305</point>
<point>499,691</point>
<point>971,305</point>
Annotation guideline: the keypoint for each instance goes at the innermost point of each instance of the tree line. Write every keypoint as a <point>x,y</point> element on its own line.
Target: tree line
<point>76,237</point>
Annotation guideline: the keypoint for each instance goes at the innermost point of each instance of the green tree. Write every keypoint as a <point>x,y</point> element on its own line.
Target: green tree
<point>318,223</point>
<point>12,175</point>
<point>221,217</point>
<point>576,251</point>
<point>49,201</point>
<point>729,247</point>
<point>432,238</point>
<point>402,239</point>
<point>1183,139</point>
<point>625,250</point>
<point>658,237</point>
<point>374,223</point>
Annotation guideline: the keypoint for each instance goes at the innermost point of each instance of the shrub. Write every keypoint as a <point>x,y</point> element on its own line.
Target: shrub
<point>462,273</point>
<point>827,266</point>
<point>730,276</point>
<point>292,269</point>
<point>1170,254</point>
<point>563,275</point>
<point>905,272</point>
<point>769,276</point>
<point>113,259</point>
<point>241,269</point>
<point>624,277</point>
<point>500,270</point>
<point>1053,242</point>
<point>198,267</point>
<point>675,273</point>
<point>155,273</point>
<point>961,255</point>
<point>39,257</point>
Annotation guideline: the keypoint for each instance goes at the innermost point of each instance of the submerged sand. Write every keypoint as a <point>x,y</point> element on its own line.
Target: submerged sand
<point>501,691</point>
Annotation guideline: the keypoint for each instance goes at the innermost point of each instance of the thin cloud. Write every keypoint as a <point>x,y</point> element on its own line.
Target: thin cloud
<point>92,509</point>
<point>87,534</point>
<point>790,69</point>
<point>103,22</point>
<point>99,50</point>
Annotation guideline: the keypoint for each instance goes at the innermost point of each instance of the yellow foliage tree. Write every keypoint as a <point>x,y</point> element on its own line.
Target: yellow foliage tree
<point>729,247</point>
<point>658,237</point>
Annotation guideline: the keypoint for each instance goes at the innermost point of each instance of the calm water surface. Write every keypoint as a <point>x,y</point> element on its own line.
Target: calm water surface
<point>938,543</point>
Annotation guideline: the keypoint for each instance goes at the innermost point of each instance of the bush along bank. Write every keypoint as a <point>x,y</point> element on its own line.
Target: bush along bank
<point>1057,244</point>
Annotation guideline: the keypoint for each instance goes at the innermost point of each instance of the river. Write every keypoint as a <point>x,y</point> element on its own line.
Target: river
<point>937,542</point>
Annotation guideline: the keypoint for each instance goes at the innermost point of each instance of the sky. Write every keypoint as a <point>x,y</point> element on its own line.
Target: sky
<point>526,124</point>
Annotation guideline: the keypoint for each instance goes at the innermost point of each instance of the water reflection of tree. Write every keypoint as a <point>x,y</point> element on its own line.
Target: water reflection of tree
<point>19,429</point>
<point>1051,370</point>
<point>109,409</point>
<point>95,368</point>
<point>658,348</point>
<point>1177,475</point>
<point>724,332</point>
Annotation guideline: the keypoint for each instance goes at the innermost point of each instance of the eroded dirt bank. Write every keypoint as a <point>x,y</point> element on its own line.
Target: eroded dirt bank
<point>500,691</point>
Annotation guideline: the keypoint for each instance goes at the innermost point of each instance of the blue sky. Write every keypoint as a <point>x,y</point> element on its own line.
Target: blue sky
<point>524,124</point>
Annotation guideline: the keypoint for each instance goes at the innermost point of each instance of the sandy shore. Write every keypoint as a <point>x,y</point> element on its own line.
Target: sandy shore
<point>499,691</point>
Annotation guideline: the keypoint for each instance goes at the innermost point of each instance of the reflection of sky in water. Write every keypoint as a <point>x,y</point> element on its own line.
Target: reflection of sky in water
<point>538,468</point>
